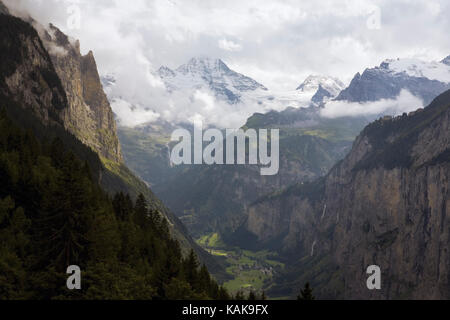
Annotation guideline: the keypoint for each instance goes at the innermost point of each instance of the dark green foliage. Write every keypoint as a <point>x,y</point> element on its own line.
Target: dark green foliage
<point>251,296</point>
<point>306,293</point>
<point>53,214</point>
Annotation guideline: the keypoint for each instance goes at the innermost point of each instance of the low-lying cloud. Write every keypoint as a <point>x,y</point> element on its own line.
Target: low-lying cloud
<point>405,102</point>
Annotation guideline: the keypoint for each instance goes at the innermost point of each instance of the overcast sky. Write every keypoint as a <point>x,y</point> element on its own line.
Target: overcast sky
<point>278,43</point>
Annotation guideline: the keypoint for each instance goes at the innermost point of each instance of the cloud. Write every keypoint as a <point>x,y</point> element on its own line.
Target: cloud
<point>130,115</point>
<point>278,43</point>
<point>405,102</point>
<point>229,45</point>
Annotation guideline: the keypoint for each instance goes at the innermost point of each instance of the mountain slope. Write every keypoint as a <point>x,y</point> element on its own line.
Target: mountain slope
<point>446,61</point>
<point>386,204</point>
<point>425,80</point>
<point>31,81</point>
<point>3,9</point>
<point>37,99</point>
<point>213,198</point>
<point>53,214</point>
<point>323,88</point>
<point>212,74</point>
<point>89,115</point>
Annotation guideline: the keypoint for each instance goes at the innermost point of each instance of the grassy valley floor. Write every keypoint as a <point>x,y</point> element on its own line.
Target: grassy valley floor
<point>249,270</point>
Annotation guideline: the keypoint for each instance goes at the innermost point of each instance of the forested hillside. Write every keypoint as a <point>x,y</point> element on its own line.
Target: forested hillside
<point>53,214</point>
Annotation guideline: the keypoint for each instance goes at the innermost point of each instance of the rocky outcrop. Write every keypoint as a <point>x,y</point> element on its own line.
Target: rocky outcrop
<point>386,204</point>
<point>446,61</point>
<point>89,115</point>
<point>26,70</point>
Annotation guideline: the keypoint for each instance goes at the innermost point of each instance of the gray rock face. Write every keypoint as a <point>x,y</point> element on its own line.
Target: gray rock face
<point>89,115</point>
<point>386,204</point>
<point>383,83</point>
<point>3,8</point>
<point>446,61</point>
<point>213,74</point>
<point>321,95</point>
<point>329,84</point>
<point>27,73</point>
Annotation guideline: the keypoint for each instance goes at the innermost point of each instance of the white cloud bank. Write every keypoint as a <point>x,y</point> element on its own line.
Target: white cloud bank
<point>229,45</point>
<point>405,102</point>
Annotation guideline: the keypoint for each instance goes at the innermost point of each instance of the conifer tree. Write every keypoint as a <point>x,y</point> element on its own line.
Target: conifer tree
<point>306,293</point>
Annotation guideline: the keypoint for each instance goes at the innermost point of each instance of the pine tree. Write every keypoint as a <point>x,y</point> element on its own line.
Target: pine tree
<point>263,296</point>
<point>239,296</point>
<point>141,214</point>
<point>190,267</point>
<point>306,293</point>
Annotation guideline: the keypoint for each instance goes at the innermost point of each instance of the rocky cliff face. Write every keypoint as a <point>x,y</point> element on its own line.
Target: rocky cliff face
<point>74,97</point>
<point>3,9</point>
<point>89,115</point>
<point>27,72</point>
<point>386,204</point>
<point>214,198</point>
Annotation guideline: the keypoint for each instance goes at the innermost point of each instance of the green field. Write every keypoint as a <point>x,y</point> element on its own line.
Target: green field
<point>251,271</point>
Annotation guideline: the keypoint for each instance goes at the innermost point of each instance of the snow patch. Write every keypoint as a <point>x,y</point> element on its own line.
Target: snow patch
<point>439,71</point>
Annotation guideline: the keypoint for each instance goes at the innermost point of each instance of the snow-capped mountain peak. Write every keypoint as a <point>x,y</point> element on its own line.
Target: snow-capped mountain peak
<point>316,82</point>
<point>204,65</point>
<point>165,72</point>
<point>210,74</point>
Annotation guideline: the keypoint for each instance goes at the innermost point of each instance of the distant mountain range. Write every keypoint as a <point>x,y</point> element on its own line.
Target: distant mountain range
<point>233,87</point>
<point>425,80</point>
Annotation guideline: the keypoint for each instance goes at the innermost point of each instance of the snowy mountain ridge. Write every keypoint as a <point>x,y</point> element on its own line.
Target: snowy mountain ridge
<point>433,70</point>
<point>212,74</point>
<point>423,79</point>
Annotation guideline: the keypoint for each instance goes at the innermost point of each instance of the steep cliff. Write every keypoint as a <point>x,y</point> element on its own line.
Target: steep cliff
<point>27,72</point>
<point>74,97</point>
<point>89,115</point>
<point>3,9</point>
<point>386,204</point>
